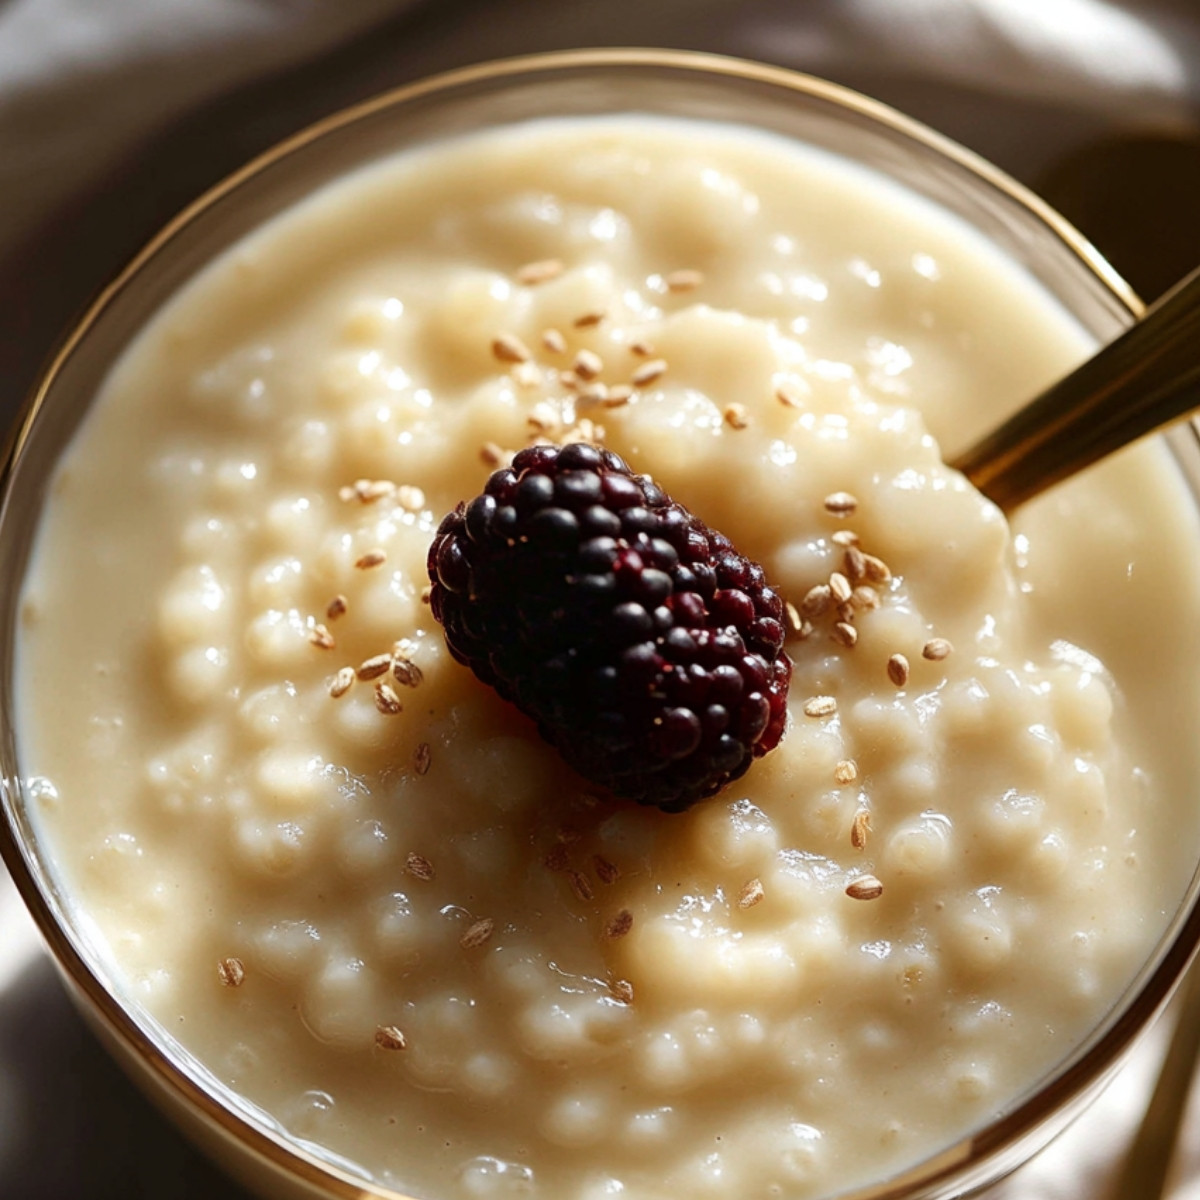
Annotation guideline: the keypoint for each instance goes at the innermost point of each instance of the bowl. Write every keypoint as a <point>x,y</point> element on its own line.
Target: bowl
<point>253,1147</point>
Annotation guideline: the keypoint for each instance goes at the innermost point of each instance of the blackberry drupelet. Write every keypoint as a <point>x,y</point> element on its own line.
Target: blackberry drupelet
<point>647,649</point>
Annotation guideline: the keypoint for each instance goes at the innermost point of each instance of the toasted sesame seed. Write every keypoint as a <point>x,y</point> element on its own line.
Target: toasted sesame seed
<point>370,490</point>
<point>372,558</point>
<point>569,380</point>
<point>606,871</point>
<point>479,932</point>
<point>336,607</point>
<point>618,395</point>
<point>839,587</point>
<point>568,836</point>
<point>343,681</point>
<point>936,649</point>
<point>622,990</point>
<point>736,416</point>
<point>864,597</point>
<point>648,372</point>
<point>387,701</point>
<point>865,887</point>
<point>554,341</point>
<point>897,669</point>
<point>751,893</point>
<point>346,493</point>
<point>321,637</point>
<point>509,348</point>
<point>542,271</point>
<point>820,706</point>
<point>558,858</point>
<point>860,827</point>
<point>844,537</point>
<point>840,504</point>
<point>372,668</point>
<point>854,564</point>
<point>406,672</point>
<point>491,454</point>
<point>543,419</point>
<point>426,593</point>
<point>421,758</point>
<point>641,349</point>
<point>588,364</point>
<point>593,393</point>
<point>231,972</point>
<point>683,281</point>
<point>816,600</point>
<point>845,772</point>
<point>588,319</point>
<point>620,925</point>
<point>844,634</point>
<point>526,374</point>
<point>876,569</point>
<point>389,1037</point>
<point>788,396</point>
<point>419,867</point>
<point>794,619</point>
<point>581,885</point>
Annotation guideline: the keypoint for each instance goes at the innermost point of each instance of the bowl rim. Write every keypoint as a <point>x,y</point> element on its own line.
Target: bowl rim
<point>1066,1082</point>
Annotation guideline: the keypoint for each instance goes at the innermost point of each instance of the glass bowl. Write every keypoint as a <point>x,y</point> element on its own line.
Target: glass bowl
<point>573,83</point>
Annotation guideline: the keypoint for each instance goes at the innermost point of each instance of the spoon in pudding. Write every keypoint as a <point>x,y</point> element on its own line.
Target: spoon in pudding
<point>1145,379</point>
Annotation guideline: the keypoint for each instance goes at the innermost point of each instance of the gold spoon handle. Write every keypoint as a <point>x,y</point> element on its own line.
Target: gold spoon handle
<point>1149,376</point>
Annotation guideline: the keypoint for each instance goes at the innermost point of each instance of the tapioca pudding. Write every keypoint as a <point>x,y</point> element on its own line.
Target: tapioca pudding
<point>362,891</point>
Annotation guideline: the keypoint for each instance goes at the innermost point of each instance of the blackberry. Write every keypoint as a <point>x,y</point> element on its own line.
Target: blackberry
<point>648,650</point>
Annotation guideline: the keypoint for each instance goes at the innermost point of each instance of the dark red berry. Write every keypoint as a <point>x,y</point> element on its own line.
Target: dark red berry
<point>648,650</point>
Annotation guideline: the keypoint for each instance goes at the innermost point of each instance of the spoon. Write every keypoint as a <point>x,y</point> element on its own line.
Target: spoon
<point>1145,379</point>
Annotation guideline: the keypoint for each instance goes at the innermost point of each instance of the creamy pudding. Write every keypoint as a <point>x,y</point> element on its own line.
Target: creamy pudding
<point>359,888</point>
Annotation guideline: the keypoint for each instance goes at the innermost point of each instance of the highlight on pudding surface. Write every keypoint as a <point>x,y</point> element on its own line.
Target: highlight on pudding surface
<point>358,886</point>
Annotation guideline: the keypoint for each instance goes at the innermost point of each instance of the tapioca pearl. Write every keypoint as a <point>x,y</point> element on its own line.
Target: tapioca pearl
<point>269,713</point>
<point>971,1081</point>
<point>235,480</point>
<point>720,208</point>
<point>1048,859</point>
<point>310,451</point>
<point>515,971</point>
<point>290,779</point>
<point>396,930</point>
<point>1013,819</point>
<point>357,721</point>
<point>650,1130</point>
<point>489,1075</point>
<point>491,857</point>
<point>980,941</point>
<point>390,600</point>
<point>965,709</point>
<point>450,1017</point>
<point>812,751</point>
<point>271,849</point>
<point>511,775</point>
<point>364,850</point>
<point>472,308</point>
<point>549,1029</point>
<point>918,848</point>
<point>579,1118</point>
<point>294,521</point>
<point>886,731</point>
<point>1014,704</point>
<point>340,1005</point>
<point>707,1176</point>
<point>309,1115</point>
<point>192,763</point>
<point>732,834</point>
<point>207,536</point>
<point>893,628</point>
<point>193,606</point>
<point>278,639</point>
<point>276,583</point>
<point>240,1062</point>
<point>1083,792</point>
<point>601,1187</point>
<point>341,383</point>
<point>365,323</point>
<point>286,949</point>
<point>683,425</point>
<point>799,564</point>
<point>729,966</point>
<point>914,784</point>
<point>789,1154</point>
<point>1037,749</point>
<point>199,674</point>
<point>154,986</point>
<point>488,1178</point>
<point>1082,705</point>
